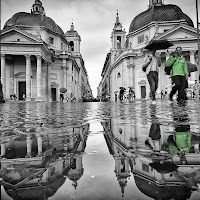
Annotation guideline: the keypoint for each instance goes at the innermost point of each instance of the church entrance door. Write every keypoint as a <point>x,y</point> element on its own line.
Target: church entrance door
<point>53,94</point>
<point>143,92</point>
<point>22,89</point>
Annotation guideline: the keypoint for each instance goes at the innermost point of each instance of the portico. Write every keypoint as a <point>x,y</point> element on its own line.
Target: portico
<point>24,68</point>
<point>24,75</point>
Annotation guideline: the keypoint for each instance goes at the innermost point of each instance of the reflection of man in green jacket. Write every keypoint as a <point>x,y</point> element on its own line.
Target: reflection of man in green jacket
<point>179,144</point>
<point>182,142</point>
<point>179,74</point>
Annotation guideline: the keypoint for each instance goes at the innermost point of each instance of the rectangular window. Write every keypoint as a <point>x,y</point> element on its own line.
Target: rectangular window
<point>141,39</point>
<point>51,40</point>
<point>145,167</point>
<point>53,76</point>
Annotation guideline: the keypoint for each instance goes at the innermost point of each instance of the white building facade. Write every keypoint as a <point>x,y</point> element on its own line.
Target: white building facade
<point>37,58</point>
<point>159,21</point>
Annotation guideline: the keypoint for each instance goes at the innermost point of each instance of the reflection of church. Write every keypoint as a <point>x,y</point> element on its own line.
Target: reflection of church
<point>37,58</point>
<point>126,138</point>
<point>34,167</point>
<point>123,64</point>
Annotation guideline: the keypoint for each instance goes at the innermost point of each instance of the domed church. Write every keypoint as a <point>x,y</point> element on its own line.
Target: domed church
<point>38,59</point>
<point>123,64</point>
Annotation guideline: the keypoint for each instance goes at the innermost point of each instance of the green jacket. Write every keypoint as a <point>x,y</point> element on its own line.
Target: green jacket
<point>179,67</point>
<point>182,141</point>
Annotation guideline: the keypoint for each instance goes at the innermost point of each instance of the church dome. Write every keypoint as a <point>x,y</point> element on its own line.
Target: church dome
<point>159,12</point>
<point>37,18</point>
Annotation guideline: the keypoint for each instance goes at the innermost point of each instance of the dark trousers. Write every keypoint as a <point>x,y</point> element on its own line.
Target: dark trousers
<point>179,86</point>
<point>152,78</point>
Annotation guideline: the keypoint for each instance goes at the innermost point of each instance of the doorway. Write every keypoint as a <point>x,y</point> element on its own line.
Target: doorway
<point>143,92</point>
<point>53,94</point>
<point>22,89</point>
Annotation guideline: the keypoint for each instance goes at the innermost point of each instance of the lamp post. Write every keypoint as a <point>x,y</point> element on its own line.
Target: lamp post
<point>1,93</point>
<point>198,63</point>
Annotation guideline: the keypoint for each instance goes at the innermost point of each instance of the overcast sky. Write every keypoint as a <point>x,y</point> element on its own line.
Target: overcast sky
<point>94,21</point>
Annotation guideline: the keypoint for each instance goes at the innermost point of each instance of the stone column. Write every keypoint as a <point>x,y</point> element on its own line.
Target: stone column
<point>28,77</point>
<point>132,71</point>
<point>49,81</point>
<point>64,73</point>
<point>192,60</point>
<point>3,149</point>
<point>108,84</point>
<point>39,78</point>
<point>3,79</point>
<point>64,83</point>
<point>29,146</point>
<point>131,66</point>
<point>39,143</point>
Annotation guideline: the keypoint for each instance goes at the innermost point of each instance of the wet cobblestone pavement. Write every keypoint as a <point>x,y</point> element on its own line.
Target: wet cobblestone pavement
<point>100,150</point>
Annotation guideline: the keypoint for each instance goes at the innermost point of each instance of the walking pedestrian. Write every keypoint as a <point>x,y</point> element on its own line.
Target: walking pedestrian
<point>162,94</point>
<point>131,94</point>
<point>196,89</point>
<point>23,97</point>
<point>15,97</point>
<point>179,74</point>
<point>150,66</point>
<point>61,97</point>
<point>121,94</point>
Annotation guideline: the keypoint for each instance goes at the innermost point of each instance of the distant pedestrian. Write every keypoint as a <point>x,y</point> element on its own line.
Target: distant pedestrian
<point>179,74</point>
<point>131,94</point>
<point>23,97</point>
<point>61,97</point>
<point>15,97</point>
<point>150,66</point>
<point>196,88</point>
<point>165,93</point>
<point>121,94</point>
<point>162,94</point>
<point>115,97</point>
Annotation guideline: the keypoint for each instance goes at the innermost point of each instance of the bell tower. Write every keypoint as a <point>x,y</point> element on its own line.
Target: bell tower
<point>118,35</point>
<point>74,40</point>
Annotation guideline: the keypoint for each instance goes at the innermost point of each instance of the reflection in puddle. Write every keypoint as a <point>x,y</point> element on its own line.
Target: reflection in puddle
<point>99,151</point>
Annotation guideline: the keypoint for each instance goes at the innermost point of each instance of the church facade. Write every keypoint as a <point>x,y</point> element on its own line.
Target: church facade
<point>38,59</point>
<point>124,68</point>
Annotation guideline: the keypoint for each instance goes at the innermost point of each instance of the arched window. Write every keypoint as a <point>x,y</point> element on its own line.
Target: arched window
<point>71,46</point>
<point>118,75</point>
<point>118,42</point>
<point>120,131</point>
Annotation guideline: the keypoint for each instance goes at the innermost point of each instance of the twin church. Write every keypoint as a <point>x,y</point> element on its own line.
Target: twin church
<point>38,59</point>
<point>123,63</point>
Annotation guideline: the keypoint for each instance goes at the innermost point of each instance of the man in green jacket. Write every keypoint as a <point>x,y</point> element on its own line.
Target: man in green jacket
<point>179,74</point>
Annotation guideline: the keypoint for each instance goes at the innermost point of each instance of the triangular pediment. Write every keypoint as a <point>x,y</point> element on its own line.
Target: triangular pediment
<point>18,36</point>
<point>180,32</point>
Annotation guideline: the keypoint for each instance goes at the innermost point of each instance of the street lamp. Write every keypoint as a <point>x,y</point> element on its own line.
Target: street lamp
<point>1,93</point>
